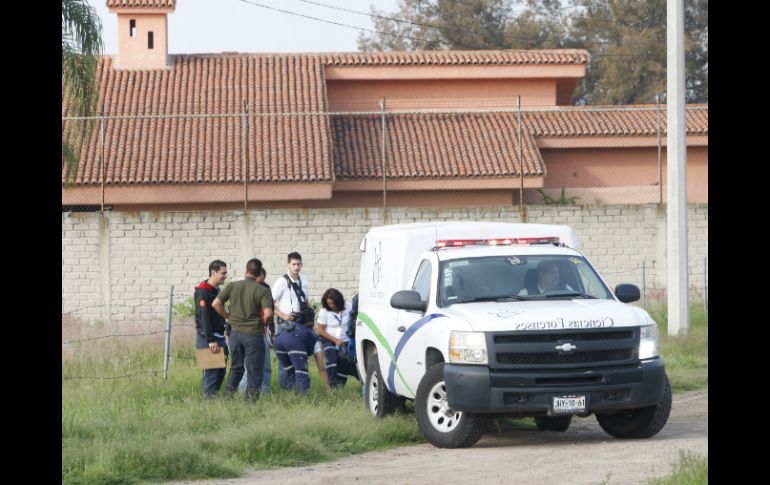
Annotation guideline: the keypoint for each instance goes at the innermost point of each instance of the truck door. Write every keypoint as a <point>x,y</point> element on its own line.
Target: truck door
<point>409,351</point>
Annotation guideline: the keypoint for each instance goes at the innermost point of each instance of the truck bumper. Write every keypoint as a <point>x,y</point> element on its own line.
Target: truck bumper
<point>478,389</point>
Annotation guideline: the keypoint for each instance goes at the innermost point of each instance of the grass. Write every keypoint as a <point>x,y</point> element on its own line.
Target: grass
<point>144,428</point>
<point>689,470</point>
<point>686,357</point>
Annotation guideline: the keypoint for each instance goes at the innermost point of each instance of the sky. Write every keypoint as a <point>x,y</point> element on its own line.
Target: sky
<point>212,26</point>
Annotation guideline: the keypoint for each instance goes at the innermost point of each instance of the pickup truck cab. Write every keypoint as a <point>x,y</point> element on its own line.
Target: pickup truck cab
<point>477,319</point>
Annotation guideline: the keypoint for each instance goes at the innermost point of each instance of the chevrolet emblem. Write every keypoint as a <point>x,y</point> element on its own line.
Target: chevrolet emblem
<point>566,347</point>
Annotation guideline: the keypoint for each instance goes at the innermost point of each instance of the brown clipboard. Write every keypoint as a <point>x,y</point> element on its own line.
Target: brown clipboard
<point>208,360</point>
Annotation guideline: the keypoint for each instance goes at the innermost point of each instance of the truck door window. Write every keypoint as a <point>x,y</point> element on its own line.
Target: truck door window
<point>422,280</point>
<point>590,281</point>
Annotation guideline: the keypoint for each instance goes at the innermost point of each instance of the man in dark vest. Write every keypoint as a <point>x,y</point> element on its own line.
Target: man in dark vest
<point>209,325</point>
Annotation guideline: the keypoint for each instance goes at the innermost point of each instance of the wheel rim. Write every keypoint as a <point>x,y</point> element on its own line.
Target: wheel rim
<point>374,393</point>
<point>441,417</point>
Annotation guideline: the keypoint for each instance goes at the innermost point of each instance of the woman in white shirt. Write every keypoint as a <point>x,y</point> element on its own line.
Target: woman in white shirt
<point>331,326</point>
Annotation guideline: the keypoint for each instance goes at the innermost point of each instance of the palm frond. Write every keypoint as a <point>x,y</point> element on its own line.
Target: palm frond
<point>81,45</point>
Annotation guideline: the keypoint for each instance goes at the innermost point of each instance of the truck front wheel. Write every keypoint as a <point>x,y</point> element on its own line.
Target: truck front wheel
<point>379,400</point>
<point>442,426</point>
<point>638,423</point>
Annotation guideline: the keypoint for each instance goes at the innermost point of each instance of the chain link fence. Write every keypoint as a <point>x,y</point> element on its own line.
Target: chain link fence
<point>158,194</point>
<point>550,155</point>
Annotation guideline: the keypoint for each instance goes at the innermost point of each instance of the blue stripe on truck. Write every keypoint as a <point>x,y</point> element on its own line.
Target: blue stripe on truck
<point>402,343</point>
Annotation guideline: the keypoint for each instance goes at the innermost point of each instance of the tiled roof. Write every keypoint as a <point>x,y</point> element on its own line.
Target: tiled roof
<point>196,149</point>
<point>198,140</point>
<point>559,56</point>
<point>432,146</point>
<point>598,121</point>
<point>141,3</point>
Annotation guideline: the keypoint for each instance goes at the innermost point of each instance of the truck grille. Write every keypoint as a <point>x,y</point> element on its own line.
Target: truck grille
<point>570,358</point>
<point>555,337</point>
<point>584,347</point>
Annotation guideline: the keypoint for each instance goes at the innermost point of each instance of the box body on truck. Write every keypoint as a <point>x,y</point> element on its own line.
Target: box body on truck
<point>476,319</point>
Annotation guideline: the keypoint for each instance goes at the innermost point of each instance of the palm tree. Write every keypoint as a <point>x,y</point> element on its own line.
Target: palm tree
<point>81,44</point>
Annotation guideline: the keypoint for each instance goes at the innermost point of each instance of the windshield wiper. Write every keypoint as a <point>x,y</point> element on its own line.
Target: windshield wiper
<point>569,294</point>
<point>486,298</point>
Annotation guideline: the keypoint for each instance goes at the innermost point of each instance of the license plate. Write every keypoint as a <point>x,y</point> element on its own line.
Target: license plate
<point>568,404</point>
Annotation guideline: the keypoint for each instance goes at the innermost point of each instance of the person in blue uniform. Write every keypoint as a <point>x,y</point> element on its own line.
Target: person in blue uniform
<point>293,346</point>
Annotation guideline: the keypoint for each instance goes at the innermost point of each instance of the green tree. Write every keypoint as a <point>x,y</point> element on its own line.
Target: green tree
<point>440,24</point>
<point>628,42</point>
<point>625,38</point>
<point>81,45</point>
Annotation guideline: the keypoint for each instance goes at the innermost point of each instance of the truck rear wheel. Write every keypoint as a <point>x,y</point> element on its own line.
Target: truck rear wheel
<point>638,423</point>
<point>442,426</point>
<point>553,423</point>
<point>379,401</point>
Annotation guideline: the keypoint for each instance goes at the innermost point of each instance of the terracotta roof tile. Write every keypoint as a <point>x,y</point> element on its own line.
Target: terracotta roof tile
<point>203,143</point>
<point>191,148</point>
<point>141,3</point>
<point>557,56</point>
<point>600,121</point>
<point>432,146</point>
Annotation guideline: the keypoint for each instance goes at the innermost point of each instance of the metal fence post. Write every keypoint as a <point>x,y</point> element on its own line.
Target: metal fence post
<point>660,163</point>
<point>522,211</point>
<point>168,331</point>
<point>706,285</point>
<point>644,284</point>
<point>244,171</point>
<point>383,125</point>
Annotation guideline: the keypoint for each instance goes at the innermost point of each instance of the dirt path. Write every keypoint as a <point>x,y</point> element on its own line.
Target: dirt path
<point>584,454</point>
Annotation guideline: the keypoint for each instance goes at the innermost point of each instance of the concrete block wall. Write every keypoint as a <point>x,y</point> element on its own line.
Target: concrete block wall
<point>119,266</point>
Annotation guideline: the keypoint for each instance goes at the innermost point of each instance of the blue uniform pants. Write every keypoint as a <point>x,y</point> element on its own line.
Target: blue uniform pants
<point>291,350</point>
<point>331,354</point>
<point>280,326</point>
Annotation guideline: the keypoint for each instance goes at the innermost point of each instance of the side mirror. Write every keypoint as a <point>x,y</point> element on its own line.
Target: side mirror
<point>408,300</point>
<point>626,292</point>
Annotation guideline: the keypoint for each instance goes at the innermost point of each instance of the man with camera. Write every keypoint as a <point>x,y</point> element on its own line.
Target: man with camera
<point>290,295</point>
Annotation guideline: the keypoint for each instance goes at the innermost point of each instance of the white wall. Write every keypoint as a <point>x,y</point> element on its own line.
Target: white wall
<point>118,267</point>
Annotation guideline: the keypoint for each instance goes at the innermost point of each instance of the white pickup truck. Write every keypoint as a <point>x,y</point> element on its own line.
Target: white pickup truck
<point>475,319</point>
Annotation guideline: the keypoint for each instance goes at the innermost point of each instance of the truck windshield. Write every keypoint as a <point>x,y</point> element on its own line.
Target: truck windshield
<point>518,278</point>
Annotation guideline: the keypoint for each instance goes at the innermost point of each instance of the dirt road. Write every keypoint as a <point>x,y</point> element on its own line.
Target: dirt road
<point>584,454</point>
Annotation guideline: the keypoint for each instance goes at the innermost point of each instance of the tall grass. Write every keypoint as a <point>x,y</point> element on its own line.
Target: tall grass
<point>141,428</point>
<point>144,428</point>
<point>686,356</point>
<point>689,470</point>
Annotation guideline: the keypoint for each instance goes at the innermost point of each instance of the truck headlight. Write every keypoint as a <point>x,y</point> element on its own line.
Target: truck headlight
<point>649,343</point>
<point>467,348</point>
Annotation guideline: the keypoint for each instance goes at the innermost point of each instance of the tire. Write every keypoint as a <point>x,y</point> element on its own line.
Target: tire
<point>441,426</point>
<point>378,400</point>
<point>553,423</point>
<point>638,423</point>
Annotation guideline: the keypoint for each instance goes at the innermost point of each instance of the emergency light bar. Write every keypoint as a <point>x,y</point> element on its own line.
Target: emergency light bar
<point>458,243</point>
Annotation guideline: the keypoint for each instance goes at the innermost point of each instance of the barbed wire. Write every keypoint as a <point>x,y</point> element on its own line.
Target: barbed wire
<point>523,110</point>
<point>112,377</point>
<point>113,335</point>
<point>102,305</point>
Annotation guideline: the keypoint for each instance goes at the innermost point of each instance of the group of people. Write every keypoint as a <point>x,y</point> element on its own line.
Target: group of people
<point>259,318</point>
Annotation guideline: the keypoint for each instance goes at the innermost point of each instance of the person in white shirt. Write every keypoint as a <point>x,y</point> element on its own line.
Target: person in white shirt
<point>332,325</point>
<point>289,290</point>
